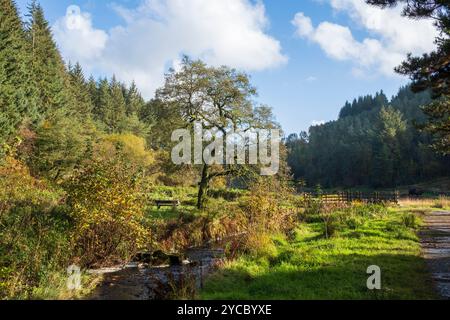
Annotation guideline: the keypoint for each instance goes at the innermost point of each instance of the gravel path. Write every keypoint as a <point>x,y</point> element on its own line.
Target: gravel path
<point>436,249</point>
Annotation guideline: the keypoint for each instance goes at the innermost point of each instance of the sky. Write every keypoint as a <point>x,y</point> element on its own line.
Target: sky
<point>306,57</point>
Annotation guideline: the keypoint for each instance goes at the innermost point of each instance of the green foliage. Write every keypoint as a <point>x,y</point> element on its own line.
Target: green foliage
<point>439,125</point>
<point>34,231</point>
<point>79,87</point>
<point>17,94</point>
<point>227,194</point>
<point>364,104</point>
<point>107,210</point>
<point>410,220</point>
<point>134,101</point>
<point>131,149</point>
<point>62,143</point>
<point>375,147</point>
<point>47,66</point>
<point>431,70</point>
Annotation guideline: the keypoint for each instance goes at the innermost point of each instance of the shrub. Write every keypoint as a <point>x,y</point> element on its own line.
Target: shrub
<point>369,210</point>
<point>264,208</point>
<point>354,222</point>
<point>33,232</point>
<point>107,209</point>
<point>410,220</point>
<point>216,223</point>
<point>127,146</point>
<point>441,203</point>
<point>259,244</point>
<point>226,194</point>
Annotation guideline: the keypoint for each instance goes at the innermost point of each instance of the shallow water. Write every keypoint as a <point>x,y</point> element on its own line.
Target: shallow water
<point>141,282</point>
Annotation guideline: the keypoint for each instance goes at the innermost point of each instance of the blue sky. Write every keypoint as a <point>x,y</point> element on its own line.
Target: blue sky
<point>335,51</point>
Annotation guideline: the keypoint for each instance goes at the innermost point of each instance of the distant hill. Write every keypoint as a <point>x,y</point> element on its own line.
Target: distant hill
<point>374,143</point>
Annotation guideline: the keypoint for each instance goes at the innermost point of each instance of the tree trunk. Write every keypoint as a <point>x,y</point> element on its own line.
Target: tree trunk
<point>203,187</point>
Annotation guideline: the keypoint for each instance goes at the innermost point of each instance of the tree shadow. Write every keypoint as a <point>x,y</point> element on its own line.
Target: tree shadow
<point>345,278</point>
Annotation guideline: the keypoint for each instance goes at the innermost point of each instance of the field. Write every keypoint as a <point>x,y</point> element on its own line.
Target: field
<point>327,256</point>
<point>323,255</point>
<point>307,265</point>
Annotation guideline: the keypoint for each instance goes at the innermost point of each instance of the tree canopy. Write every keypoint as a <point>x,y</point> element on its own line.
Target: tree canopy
<point>431,71</point>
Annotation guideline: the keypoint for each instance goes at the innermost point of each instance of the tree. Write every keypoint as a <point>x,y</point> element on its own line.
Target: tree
<point>80,91</point>
<point>387,158</point>
<point>103,102</point>
<point>216,98</point>
<point>431,71</point>
<point>377,146</point>
<point>118,106</point>
<point>61,144</point>
<point>17,91</point>
<point>64,131</point>
<point>133,99</point>
<point>47,65</point>
<point>110,105</point>
<point>163,119</point>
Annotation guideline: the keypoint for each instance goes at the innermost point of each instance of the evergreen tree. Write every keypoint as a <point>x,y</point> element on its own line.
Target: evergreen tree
<point>374,143</point>
<point>134,100</point>
<point>431,71</point>
<point>81,91</point>
<point>118,106</point>
<point>48,68</point>
<point>17,92</point>
<point>103,101</point>
<point>63,134</point>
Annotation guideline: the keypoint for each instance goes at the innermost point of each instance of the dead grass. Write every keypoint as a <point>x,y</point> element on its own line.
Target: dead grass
<point>441,203</point>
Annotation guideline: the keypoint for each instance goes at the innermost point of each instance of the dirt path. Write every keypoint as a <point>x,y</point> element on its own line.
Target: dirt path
<point>436,249</point>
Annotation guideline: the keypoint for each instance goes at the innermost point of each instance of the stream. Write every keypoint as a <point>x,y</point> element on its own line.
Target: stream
<point>140,281</point>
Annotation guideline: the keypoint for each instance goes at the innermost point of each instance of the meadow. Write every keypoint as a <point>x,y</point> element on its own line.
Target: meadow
<point>324,253</point>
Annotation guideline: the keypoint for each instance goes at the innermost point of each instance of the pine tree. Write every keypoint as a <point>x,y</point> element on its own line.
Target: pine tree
<point>118,107</point>
<point>81,91</point>
<point>63,133</point>
<point>47,65</point>
<point>431,71</point>
<point>17,93</point>
<point>134,100</point>
<point>103,101</point>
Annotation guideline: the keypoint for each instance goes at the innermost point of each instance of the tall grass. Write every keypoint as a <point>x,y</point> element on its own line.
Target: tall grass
<point>442,202</point>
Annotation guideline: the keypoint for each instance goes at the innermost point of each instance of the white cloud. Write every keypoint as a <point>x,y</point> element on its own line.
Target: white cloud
<point>156,33</point>
<point>391,38</point>
<point>77,38</point>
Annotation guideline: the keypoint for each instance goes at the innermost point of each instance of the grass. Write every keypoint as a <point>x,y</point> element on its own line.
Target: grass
<point>308,266</point>
<point>426,204</point>
<point>164,213</point>
<point>54,287</point>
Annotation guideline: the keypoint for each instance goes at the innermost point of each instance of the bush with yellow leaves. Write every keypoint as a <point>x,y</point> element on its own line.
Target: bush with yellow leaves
<point>266,215</point>
<point>107,208</point>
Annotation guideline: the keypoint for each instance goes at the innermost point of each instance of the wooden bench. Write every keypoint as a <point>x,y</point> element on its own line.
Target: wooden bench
<point>167,203</point>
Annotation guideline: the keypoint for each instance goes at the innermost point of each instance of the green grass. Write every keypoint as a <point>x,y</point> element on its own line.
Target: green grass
<point>166,213</point>
<point>308,266</point>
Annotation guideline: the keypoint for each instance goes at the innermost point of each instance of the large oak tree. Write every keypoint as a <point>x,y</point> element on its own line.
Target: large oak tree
<point>220,98</point>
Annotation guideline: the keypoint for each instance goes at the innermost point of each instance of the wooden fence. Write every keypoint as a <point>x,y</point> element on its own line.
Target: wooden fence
<point>352,196</point>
